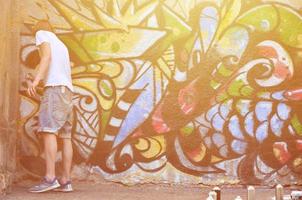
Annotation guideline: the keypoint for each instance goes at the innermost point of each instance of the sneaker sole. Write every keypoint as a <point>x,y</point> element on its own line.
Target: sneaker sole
<point>46,189</point>
<point>62,190</point>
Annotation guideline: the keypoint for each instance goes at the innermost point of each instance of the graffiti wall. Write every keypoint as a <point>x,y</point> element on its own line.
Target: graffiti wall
<point>177,91</point>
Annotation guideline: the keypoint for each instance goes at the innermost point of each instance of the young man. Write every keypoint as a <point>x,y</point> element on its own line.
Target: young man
<point>55,113</point>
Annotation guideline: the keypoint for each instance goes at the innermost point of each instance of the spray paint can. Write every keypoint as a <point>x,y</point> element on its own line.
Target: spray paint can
<point>217,190</point>
<point>296,195</point>
<point>209,198</point>
<point>251,193</point>
<point>279,192</point>
<point>213,195</point>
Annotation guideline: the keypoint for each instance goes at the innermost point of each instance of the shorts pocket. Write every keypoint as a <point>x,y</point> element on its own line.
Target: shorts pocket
<point>66,96</point>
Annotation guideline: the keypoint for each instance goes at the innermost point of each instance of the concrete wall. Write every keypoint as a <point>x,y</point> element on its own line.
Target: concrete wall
<point>177,91</point>
<point>9,90</point>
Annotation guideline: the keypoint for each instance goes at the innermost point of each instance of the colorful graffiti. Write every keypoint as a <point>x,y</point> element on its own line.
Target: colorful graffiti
<point>193,84</point>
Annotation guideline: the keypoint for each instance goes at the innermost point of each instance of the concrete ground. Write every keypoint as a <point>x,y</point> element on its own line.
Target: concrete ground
<point>114,191</point>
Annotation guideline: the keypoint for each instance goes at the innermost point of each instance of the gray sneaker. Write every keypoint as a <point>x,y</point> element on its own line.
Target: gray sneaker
<point>66,187</point>
<point>45,186</point>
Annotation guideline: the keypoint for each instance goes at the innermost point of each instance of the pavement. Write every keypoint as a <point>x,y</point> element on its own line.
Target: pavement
<point>87,190</point>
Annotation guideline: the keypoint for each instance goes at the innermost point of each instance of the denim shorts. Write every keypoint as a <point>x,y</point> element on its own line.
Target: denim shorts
<point>55,115</point>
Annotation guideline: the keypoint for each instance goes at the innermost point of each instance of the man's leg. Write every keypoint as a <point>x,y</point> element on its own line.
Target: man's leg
<point>50,150</point>
<point>49,182</point>
<point>67,160</point>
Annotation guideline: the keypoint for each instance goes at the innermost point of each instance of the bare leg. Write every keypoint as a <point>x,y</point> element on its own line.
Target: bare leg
<point>50,149</point>
<point>67,160</point>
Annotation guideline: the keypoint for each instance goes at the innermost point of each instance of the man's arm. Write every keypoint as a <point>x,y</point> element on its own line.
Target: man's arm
<point>45,59</point>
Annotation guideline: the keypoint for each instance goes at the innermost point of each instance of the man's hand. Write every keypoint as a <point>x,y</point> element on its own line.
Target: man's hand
<point>31,91</point>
